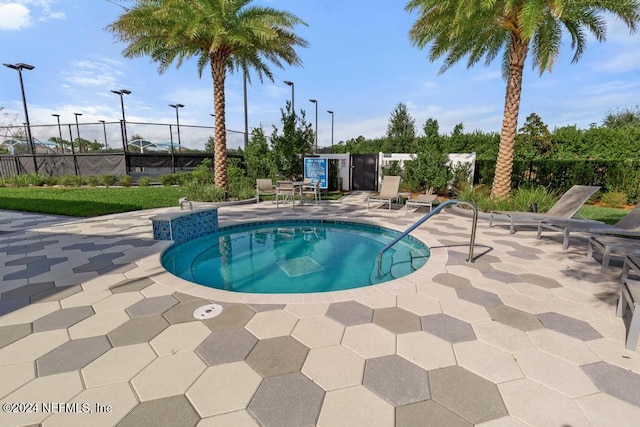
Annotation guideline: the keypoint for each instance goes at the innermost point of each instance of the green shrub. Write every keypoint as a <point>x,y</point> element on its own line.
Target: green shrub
<point>522,199</point>
<point>169,179</point>
<point>109,180</point>
<point>614,199</point>
<point>144,181</point>
<point>70,180</point>
<point>126,180</point>
<point>28,180</point>
<point>203,173</point>
<point>92,180</point>
<point>203,192</point>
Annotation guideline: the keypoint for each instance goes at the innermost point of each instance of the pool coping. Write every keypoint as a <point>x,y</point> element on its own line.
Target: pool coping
<point>151,265</point>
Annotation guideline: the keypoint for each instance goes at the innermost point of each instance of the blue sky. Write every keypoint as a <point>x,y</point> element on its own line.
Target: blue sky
<point>360,64</point>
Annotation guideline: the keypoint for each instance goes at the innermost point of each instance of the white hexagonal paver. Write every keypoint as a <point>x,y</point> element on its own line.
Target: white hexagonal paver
<point>271,324</point>
<point>168,375</point>
<point>426,350</point>
<point>180,337</point>
<point>369,340</point>
<point>224,388</point>
<point>334,367</point>
<point>318,332</point>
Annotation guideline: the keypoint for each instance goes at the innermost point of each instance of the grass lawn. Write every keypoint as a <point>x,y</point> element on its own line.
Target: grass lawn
<point>86,202</point>
<point>599,213</point>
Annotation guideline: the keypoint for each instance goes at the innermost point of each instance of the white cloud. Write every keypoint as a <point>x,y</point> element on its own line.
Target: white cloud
<point>14,16</point>
<point>92,73</point>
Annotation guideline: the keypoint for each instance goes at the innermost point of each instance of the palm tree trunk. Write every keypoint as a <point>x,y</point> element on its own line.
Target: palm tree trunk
<point>504,165</point>
<point>219,73</point>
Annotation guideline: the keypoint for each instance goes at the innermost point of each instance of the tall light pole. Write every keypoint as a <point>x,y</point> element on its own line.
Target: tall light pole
<point>331,112</point>
<point>293,97</point>
<point>78,132</point>
<point>19,67</point>
<point>57,116</point>
<point>123,92</point>
<point>177,106</point>
<point>315,101</point>
<point>246,111</point>
<point>104,128</point>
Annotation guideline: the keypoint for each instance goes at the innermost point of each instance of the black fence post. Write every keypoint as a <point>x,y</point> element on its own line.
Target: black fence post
<point>73,152</point>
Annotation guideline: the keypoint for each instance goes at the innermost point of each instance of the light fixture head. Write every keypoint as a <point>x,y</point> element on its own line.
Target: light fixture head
<point>314,100</point>
<point>78,114</point>
<point>122,92</point>
<point>176,106</point>
<point>19,66</point>
<point>56,115</point>
<point>329,111</point>
<point>101,121</point>
<point>288,82</point>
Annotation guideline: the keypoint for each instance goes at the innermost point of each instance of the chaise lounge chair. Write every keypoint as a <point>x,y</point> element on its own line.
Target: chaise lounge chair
<point>566,207</point>
<point>629,225</point>
<point>388,191</point>
<point>421,200</point>
<point>610,245</point>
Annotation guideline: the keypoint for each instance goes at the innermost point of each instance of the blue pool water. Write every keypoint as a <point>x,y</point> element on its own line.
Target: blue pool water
<point>294,257</point>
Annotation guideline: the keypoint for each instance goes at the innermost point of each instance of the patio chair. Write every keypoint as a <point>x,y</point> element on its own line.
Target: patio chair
<point>566,207</point>
<point>421,200</point>
<point>264,187</point>
<point>285,191</point>
<point>609,245</point>
<point>388,191</point>
<point>629,225</point>
<point>312,190</point>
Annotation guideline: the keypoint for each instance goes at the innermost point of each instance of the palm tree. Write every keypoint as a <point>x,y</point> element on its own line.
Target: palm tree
<point>227,35</point>
<point>485,28</point>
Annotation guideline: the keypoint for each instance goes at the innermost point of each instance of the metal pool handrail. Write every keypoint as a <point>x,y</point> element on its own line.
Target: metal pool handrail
<point>426,217</point>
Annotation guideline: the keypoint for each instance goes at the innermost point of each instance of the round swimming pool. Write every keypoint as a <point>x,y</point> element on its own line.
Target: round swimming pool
<point>294,257</point>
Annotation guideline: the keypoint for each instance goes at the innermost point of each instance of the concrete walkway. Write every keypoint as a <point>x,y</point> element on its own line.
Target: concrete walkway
<point>94,332</point>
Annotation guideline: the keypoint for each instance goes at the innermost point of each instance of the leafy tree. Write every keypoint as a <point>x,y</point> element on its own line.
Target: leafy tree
<point>622,118</point>
<point>227,35</point>
<point>401,131</point>
<point>296,140</point>
<point>484,28</point>
<point>534,140</point>
<point>256,155</point>
<point>431,128</point>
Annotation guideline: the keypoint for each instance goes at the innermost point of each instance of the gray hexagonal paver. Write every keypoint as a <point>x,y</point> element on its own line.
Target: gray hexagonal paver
<point>501,276</point>
<point>138,330</point>
<point>396,380</point>
<point>13,304</point>
<point>448,328</point>
<point>72,355</point>
<point>569,326</point>
<point>231,345</point>
<point>278,356</point>
<point>152,306</point>
<point>468,395</point>
<point>12,333</point>
<point>397,320</point>
<point>131,285</point>
<point>479,297</point>
<point>451,280</point>
<point>56,294</point>
<point>543,282</point>
<point>615,381</point>
<point>28,290</point>
<point>350,313</point>
<point>428,413</point>
<point>233,316</point>
<point>515,318</point>
<point>288,400</point>
<point>62,319</point>
<point>168,411</point>
<point>183,311</point>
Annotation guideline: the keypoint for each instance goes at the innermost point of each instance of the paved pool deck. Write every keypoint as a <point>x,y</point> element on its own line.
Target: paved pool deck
<point>94,332</point>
